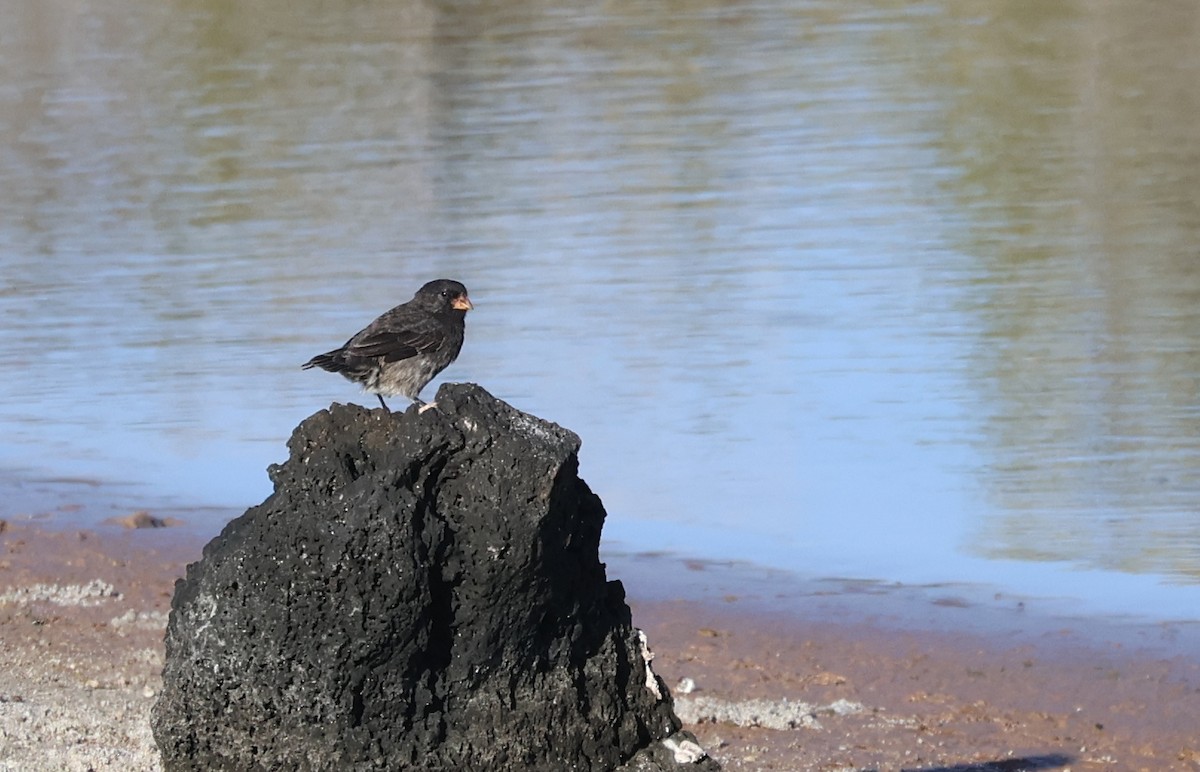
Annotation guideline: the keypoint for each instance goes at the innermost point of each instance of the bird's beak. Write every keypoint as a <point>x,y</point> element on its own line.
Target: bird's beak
<point>461,303</point>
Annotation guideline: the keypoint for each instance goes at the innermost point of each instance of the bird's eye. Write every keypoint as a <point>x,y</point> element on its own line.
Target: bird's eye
<point>445,293</point>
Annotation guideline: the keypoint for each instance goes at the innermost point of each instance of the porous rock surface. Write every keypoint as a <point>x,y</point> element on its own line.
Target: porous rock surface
<point>421,591</point>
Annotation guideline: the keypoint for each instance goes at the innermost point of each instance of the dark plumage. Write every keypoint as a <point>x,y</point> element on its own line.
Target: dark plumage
<point>402,350</point>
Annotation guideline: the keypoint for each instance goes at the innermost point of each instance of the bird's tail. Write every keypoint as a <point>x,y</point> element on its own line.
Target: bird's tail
<point>330,361</point>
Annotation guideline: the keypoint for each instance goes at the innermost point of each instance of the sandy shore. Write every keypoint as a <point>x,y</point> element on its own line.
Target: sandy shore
<point>826,676</point>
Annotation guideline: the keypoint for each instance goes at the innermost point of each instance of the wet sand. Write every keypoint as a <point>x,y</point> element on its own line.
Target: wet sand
<point>784,674</point>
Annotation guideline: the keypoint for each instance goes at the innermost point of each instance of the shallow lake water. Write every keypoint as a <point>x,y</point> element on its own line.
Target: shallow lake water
<point>907,292</point>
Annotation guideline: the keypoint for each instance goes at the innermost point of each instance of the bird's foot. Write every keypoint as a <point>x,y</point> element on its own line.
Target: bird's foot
<point>426,406</point>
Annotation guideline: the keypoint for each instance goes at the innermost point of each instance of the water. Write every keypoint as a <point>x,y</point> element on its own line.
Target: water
<point>897,291</point>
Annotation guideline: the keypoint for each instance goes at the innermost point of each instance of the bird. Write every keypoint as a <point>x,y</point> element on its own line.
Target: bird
<point>404,348</point>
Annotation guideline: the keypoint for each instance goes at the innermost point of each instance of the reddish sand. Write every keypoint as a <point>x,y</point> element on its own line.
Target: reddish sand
<point>889,689</point>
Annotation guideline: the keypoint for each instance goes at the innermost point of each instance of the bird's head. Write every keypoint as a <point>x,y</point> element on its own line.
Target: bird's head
<point>444,295</point>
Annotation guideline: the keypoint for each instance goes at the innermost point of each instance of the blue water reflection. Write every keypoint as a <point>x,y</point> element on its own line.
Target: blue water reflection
<point>831,289</point>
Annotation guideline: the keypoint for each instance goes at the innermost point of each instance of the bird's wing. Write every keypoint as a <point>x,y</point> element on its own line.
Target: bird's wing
<point>395,342</point>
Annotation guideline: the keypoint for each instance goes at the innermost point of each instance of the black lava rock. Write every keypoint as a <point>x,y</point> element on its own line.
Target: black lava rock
<point>421,591</point>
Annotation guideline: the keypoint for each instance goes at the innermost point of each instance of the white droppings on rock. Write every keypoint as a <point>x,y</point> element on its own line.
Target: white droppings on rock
<point>647,657</point>
<point>685,751</point>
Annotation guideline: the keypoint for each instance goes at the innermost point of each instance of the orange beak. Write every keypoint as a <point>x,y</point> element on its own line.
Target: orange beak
<point>461,303</point>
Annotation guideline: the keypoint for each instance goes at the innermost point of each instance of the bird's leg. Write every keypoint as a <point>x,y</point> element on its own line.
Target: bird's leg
<point>386,409</point>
